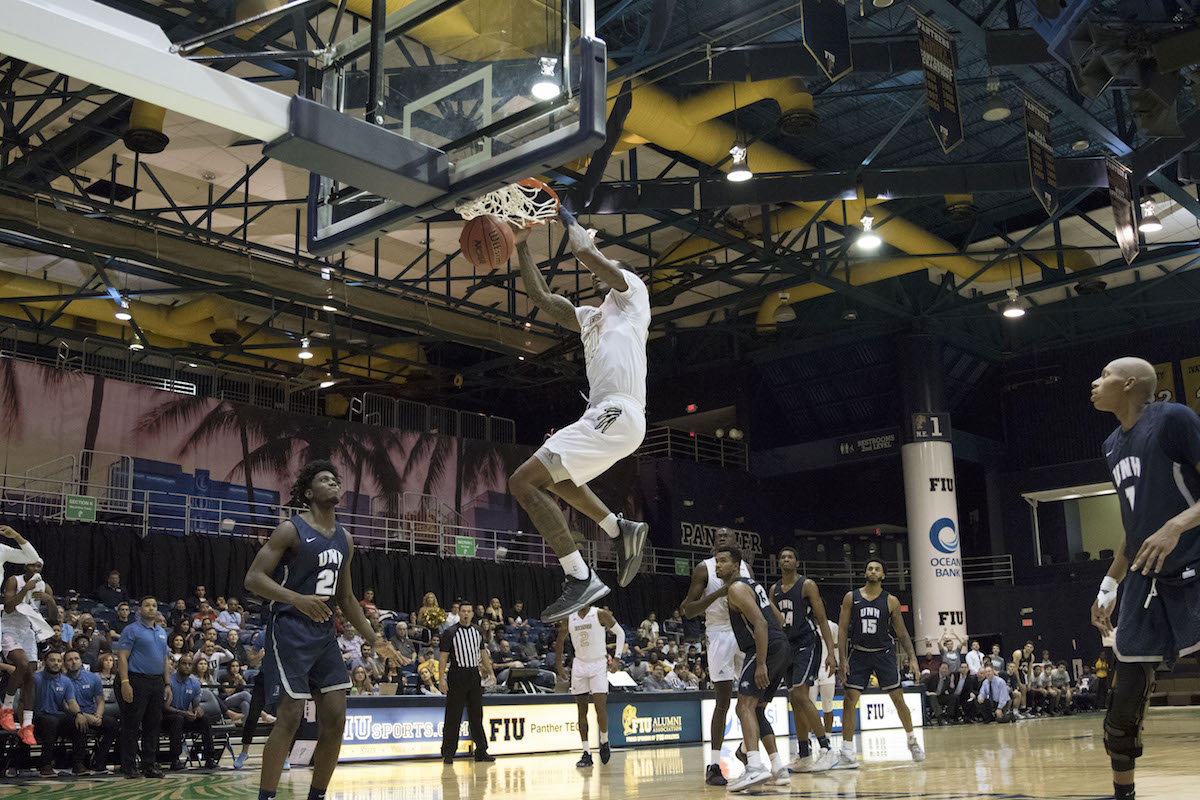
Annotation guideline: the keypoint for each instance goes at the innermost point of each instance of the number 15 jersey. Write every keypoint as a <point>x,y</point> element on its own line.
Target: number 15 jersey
<point>871,622</point>
<point>313,566</point>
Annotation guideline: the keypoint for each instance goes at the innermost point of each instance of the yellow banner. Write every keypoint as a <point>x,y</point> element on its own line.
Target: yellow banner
<point>1190,367</point>
<point>1165,391</point>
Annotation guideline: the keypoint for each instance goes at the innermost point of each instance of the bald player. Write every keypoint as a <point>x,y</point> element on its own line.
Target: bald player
<point>1154,458</point>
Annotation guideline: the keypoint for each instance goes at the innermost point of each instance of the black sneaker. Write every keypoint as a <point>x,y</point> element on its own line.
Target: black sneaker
<point>152,771</point>
<point>741,756</point>
<point>577,593</point>
<point>629,548</point>
<point>484,756</point>
<point>605,753</point>
<point>130,772</point>
<point>713,776</point>
<point>586,761</point>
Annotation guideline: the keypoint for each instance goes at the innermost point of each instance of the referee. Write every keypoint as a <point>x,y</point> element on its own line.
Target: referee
<point>461,684</point>
<point>144,670</point>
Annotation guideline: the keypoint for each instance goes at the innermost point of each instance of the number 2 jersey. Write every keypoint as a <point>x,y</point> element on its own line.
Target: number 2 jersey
<point>312,567</point>
<point>871,622</point>
<point>1153,467</point>
<point>743,629</point>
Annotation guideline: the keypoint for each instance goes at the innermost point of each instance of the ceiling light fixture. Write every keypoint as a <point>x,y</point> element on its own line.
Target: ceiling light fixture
<point>329,307</point>
<point>785,312</point>
<point>1150,221</point>
<point>997,109</point>
<point>123,315</point>
<point>546,87</point>
<point>305,354</point>
<point>740,171</point>
<point>882,3</point>
<point>1012,307</point>
<point>329,381</point>
<point>136,344</point>
<point>868,239</point>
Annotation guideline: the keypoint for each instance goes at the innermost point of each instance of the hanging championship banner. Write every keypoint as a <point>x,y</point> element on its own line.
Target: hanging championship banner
<point>825,32</point>
<point>939,57</point>
<point>1190,368</point>
<point>1120,195</point>
<point>1164,391</point>
<point>1043,175</point>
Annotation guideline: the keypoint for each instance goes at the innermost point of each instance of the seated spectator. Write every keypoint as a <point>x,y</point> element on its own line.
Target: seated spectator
<point>639,669</point>
<point>220,605</point>
<point>183,712</point>
<point>963,707</point>
<point>428,682</point>
<point>360,682</point>
<point>106,669</point>
<point>205,612</point>
<point>55,643</point>
<point>203,672</point>
<point>687,679</point>
<point>648,630</point>
<point>429,661</point>
<point>180,615</point>
<point>517,618</point>
<point>96,641</point>
<point>198,595</point>
<point>404,646</point>
<point>451,618</point>
<point>995,702</point>
<point>937,688</point>
<point>487,672</point>
<point>89,694</point>
<point>250,654</point>
<point>350,643</point>
<point>1013,679</point>
<point>119,624</point>
<point>68,619</point>
<point>214,655</point>
<point>55,714</point>
<point>112,593</point>
<point>1060,682</point>
<point>230,618</point>
<point>176,648</point>
<point>997,661</point>
<point>656,681</point>
<point>526,650</point>
<point>494,612</point>
<point>368,603</point>
<point>489,633</point>
<point>367,659</point>
<point>504,658</point>
<point>1039,694</point>
<point>1085,694</point>
<point>975,659</point>
<point>929,662</point>
<point>233,693</point>
<point>673,627</point>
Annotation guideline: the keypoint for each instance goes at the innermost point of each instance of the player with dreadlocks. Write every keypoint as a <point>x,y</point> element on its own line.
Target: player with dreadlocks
<point>303,571</point>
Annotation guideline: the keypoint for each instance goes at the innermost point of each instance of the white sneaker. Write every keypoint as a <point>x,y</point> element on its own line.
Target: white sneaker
<point>801,764</point>
<point>845,761</point>
<point>826,761</point>
<point>752,776</point>
<point>918,754</point>
<point>781,777</point>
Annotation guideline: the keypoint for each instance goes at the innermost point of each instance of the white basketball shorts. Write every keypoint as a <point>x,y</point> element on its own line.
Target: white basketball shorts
<point>589,677</point>
<point>724,657</point>
<point>584,450</point>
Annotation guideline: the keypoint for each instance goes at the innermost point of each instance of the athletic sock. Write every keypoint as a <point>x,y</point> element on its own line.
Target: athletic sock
<point>610,526</point>
<point>823,741</point>
<point>912,737</point>
<point>778,762</point>
<point>848,747</point>
<point>754,760</point>
<point>9,701</point>
<point>805,749</point>
<point>603,737</point>
<point>587,748</point>
<point>1124,791</point>
<point>316,794</point>
<point>264,794</point>
<point>714,757</point>
<point>26,718</point>
<point>575,566</point>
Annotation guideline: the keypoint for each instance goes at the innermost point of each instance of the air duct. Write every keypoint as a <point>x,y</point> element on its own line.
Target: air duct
<point>961,207</point>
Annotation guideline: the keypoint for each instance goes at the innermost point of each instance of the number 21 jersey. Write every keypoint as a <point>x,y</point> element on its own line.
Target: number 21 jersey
<point>313,566</point>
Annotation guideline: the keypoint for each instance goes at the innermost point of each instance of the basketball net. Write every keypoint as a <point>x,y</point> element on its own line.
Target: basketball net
<point>517,203</point>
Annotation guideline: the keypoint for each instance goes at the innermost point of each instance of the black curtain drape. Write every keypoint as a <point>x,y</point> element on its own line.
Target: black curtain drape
<point>79,555</point>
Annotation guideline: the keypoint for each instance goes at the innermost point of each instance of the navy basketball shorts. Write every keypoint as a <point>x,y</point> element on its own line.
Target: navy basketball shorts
<point>1159,618</point>
<point>779,661</point>
<point>882,663</point>
<point>302,658</point>
<point>806,663</point>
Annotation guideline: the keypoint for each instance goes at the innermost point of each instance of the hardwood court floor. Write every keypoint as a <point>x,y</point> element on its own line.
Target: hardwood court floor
<point>1052,759</point>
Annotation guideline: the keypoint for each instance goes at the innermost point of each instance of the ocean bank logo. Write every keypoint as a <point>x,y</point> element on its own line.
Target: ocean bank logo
<point>943,536</point>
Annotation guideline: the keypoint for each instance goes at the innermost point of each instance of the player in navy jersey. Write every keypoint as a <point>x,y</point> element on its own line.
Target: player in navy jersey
<point>756,626</point>
<point>866,647</point>
<point>1154,458</point>
<point>798,602</point>
<point>303,571</point>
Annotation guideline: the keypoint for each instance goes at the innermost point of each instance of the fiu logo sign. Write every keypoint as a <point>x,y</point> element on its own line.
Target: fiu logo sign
<point>665,728</point>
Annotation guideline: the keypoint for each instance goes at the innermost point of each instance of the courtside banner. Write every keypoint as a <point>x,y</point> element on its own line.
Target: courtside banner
<point>642,720</point>
<point>939,58</point>
<point>877,712</point>
<point>778,715</point>
<point>407,731</point>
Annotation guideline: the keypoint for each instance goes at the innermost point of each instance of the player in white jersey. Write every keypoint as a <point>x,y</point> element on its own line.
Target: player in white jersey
<point>823,689</point>
<point>23,628</point>
<point>707,595</point>
<point>588,629</point>
<point>614,346</point>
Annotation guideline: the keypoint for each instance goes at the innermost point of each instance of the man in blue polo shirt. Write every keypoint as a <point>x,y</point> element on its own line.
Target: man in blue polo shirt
<point>184,712</point>
<point>144,670</point>
<point>55,714</point>
<point>89,694</point>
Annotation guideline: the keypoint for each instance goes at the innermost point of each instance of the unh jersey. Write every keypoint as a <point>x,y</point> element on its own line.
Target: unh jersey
<point>587,636</point>
<point>313,567</point>
<point>716,616</point>
<point>614,342</point>
<point>797,615</point>
<point>871,622</point>
<point>1153,467</point>
<point>743,629</point>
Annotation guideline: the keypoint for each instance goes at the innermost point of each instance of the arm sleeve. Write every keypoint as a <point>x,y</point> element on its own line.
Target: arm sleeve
<point>25,554</point>
<point>1180,435</point>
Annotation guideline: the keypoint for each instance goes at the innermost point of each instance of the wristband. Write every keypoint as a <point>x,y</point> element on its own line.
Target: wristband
<point>125,681</point>
<point>1107,593</point>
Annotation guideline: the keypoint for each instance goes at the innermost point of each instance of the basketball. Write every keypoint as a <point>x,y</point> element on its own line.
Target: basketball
<point>486,241</point>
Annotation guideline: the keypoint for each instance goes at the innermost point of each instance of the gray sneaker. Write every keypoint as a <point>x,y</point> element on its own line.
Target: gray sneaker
<point>846,761</point>
<point>577,593</point>
<point>750,777</point>
<point>630,544</point>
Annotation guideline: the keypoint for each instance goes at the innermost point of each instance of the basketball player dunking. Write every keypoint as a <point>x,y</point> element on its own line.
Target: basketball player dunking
<point>614,346</point>
<point>589,670</point>
<point>1154,457</point>
<point>797,600</point>
<point>706,595</point>
<point>304,569</point>
<point>866,646</point>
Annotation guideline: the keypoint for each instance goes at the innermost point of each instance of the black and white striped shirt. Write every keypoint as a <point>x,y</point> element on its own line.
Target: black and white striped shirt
<point>462,643</point>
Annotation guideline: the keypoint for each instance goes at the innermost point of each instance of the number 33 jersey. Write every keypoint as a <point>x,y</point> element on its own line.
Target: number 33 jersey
<point>313,566</point>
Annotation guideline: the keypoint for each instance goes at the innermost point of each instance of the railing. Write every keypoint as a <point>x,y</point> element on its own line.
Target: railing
<point>670,443</point>
<point>392,412</point>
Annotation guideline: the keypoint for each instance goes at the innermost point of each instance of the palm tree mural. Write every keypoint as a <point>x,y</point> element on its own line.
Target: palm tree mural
<point>485,465</point>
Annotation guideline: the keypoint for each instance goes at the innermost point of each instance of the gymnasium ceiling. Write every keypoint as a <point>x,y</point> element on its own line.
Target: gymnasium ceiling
<point>212,218</point>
